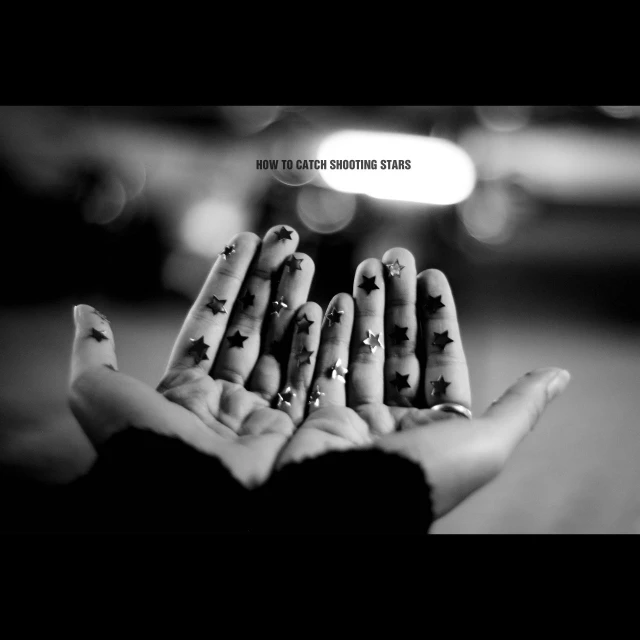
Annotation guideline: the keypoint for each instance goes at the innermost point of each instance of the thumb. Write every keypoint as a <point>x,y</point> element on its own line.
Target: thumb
<point>518,410</point>
<point>105,401</point>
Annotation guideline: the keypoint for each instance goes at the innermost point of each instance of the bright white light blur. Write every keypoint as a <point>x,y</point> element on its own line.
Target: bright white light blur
<point>210,223</point>
<point>441,172</point>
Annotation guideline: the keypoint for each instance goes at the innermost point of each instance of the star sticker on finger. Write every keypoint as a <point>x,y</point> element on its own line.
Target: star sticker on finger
<point>237,340</point>
<point>228,250</point>
<point>286,397</point>
<point>439,386</point>
<point>198,350</point>
<point>294,263</point>
<point>368,284</point>
<point>101,316</point>
<point>314,398</point>
<point>399,334</point>
<point>304,356</point>
<point>278,306</point>
<point>373,341</point>
<point>337,371</point>
<point>441,339</point>
<point>400,382</point>
<point>433,304</point>
<point>284,234</point>
<point>217,306</point>
<point>334,316</point>
<point>98,335</point>
<point>394,269</point>
<point>303,324</point>
<point>247,299</point>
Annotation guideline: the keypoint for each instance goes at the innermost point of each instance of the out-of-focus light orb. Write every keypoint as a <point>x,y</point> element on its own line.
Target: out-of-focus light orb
<point>210,223</point>
<point>487,217</point>
<point>296,141</point>
<point>250,119</point>
<point>620,112</point>
<point>504,119</point>
<point>325,211</point>
<point>441,172</point>
<point>106,202</point>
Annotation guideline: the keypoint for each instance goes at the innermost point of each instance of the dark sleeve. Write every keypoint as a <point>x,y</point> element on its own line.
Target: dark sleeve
<point>355,491</point>
<point>141,482</point>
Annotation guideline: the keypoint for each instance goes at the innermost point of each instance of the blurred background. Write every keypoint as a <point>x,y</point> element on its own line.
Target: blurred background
<point>533,212</point>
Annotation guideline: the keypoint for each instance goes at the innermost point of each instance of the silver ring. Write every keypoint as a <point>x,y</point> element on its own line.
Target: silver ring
<point>452,407</point>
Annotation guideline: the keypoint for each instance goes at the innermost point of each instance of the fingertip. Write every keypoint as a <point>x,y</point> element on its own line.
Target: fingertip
<point>404,256</point>
<point>310,309</point>
<point>370,264</point>
<point>558,384</point>
<point>343,301</point>
<point>279,233</point>
<point>433,279</point>
<point>246,238</point>
<point>307,262</point>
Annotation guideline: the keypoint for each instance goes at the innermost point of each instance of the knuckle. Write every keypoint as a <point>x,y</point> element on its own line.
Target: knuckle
<point>180,374</point>
<point>229,272</point>
<point>230,375</point>
<point>368,311</point>
<point>440,359</point>
<point>335,339</point>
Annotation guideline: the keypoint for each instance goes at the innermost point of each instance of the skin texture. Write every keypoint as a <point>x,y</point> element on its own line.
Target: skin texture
<point>249,406</point>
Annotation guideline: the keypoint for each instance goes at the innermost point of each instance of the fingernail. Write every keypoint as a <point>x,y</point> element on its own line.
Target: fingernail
<point>558,384</point>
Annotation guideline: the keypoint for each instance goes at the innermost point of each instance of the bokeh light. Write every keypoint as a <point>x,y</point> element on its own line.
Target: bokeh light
<point>504,119</point>
<point>209,223</point>
<point>440,171</point>
<point>247,120</point>
<point>325,211</point>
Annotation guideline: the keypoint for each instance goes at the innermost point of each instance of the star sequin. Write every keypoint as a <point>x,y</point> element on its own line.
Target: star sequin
<point>304,356</point>
<point>198,349</point>
<point>228,250</point>
<point>433,304</point>
<point>278,306</point>
<point>247,299</point>
<point>294,263</point>
<point>400,382</point>
<point>337,371</point>
<point>334,316</point>
<point>439,386</point>
<point>399,334</point>
<point>394,269</point>
<point>314,398</point>
<point>285,397</point>
<point>441,339</point>
<point>283,234</point>
<point>368,284</point>
<point>217,306</point>
<point>98,335</point>
<point>373,341</point>
<point>237,340</point>
<point>303,324</point>
<point>100,315</point>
